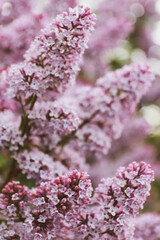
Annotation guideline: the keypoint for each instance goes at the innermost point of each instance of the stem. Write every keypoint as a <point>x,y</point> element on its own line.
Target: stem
<point>34,98</point>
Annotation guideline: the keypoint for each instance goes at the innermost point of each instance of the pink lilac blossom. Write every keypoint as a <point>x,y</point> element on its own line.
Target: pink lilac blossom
<point>105,107</point>
<point>11,9</point>
<point>128,84</point>
<point>16,37</point>
<point>121,197</point>
<point>53,59</point>
<point>52,201</point>
<point>147,226</point>
<point>51,120</point>
<point>38,165</point>
<point>93,106</point>
<point>118,200</point>
<point>63,206</point>
<point>91,139</point>
<point>14,205</point>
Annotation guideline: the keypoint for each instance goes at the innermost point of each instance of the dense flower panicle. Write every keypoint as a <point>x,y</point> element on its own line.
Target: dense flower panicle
<point>16,37</point>
<point>10,135</point>
<point>147,226</point>
<point>37,212</point>
<point>63,205</point>
<point>14,206</point>
<point>53,59</point>
<point>105,108</point>
<point>51,120</point>
<point>121,197</point>
<point>73,189</point>
<point>11,9</point>
<point>58,198</point>
<point>127,85</point>
<point>38,165</point>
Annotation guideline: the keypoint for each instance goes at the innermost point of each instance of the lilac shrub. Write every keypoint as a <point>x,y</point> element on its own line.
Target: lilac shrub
<point>54,127</point>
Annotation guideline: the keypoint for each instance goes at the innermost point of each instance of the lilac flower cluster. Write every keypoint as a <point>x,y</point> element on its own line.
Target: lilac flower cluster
<point>105,107</point>
<point>42,208</point>
<point>38,165</point>
<point>48,209</point>
<point>133,79</point>
<point>53,59</point>
<point>51,120</point>
<point>120,198</point>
